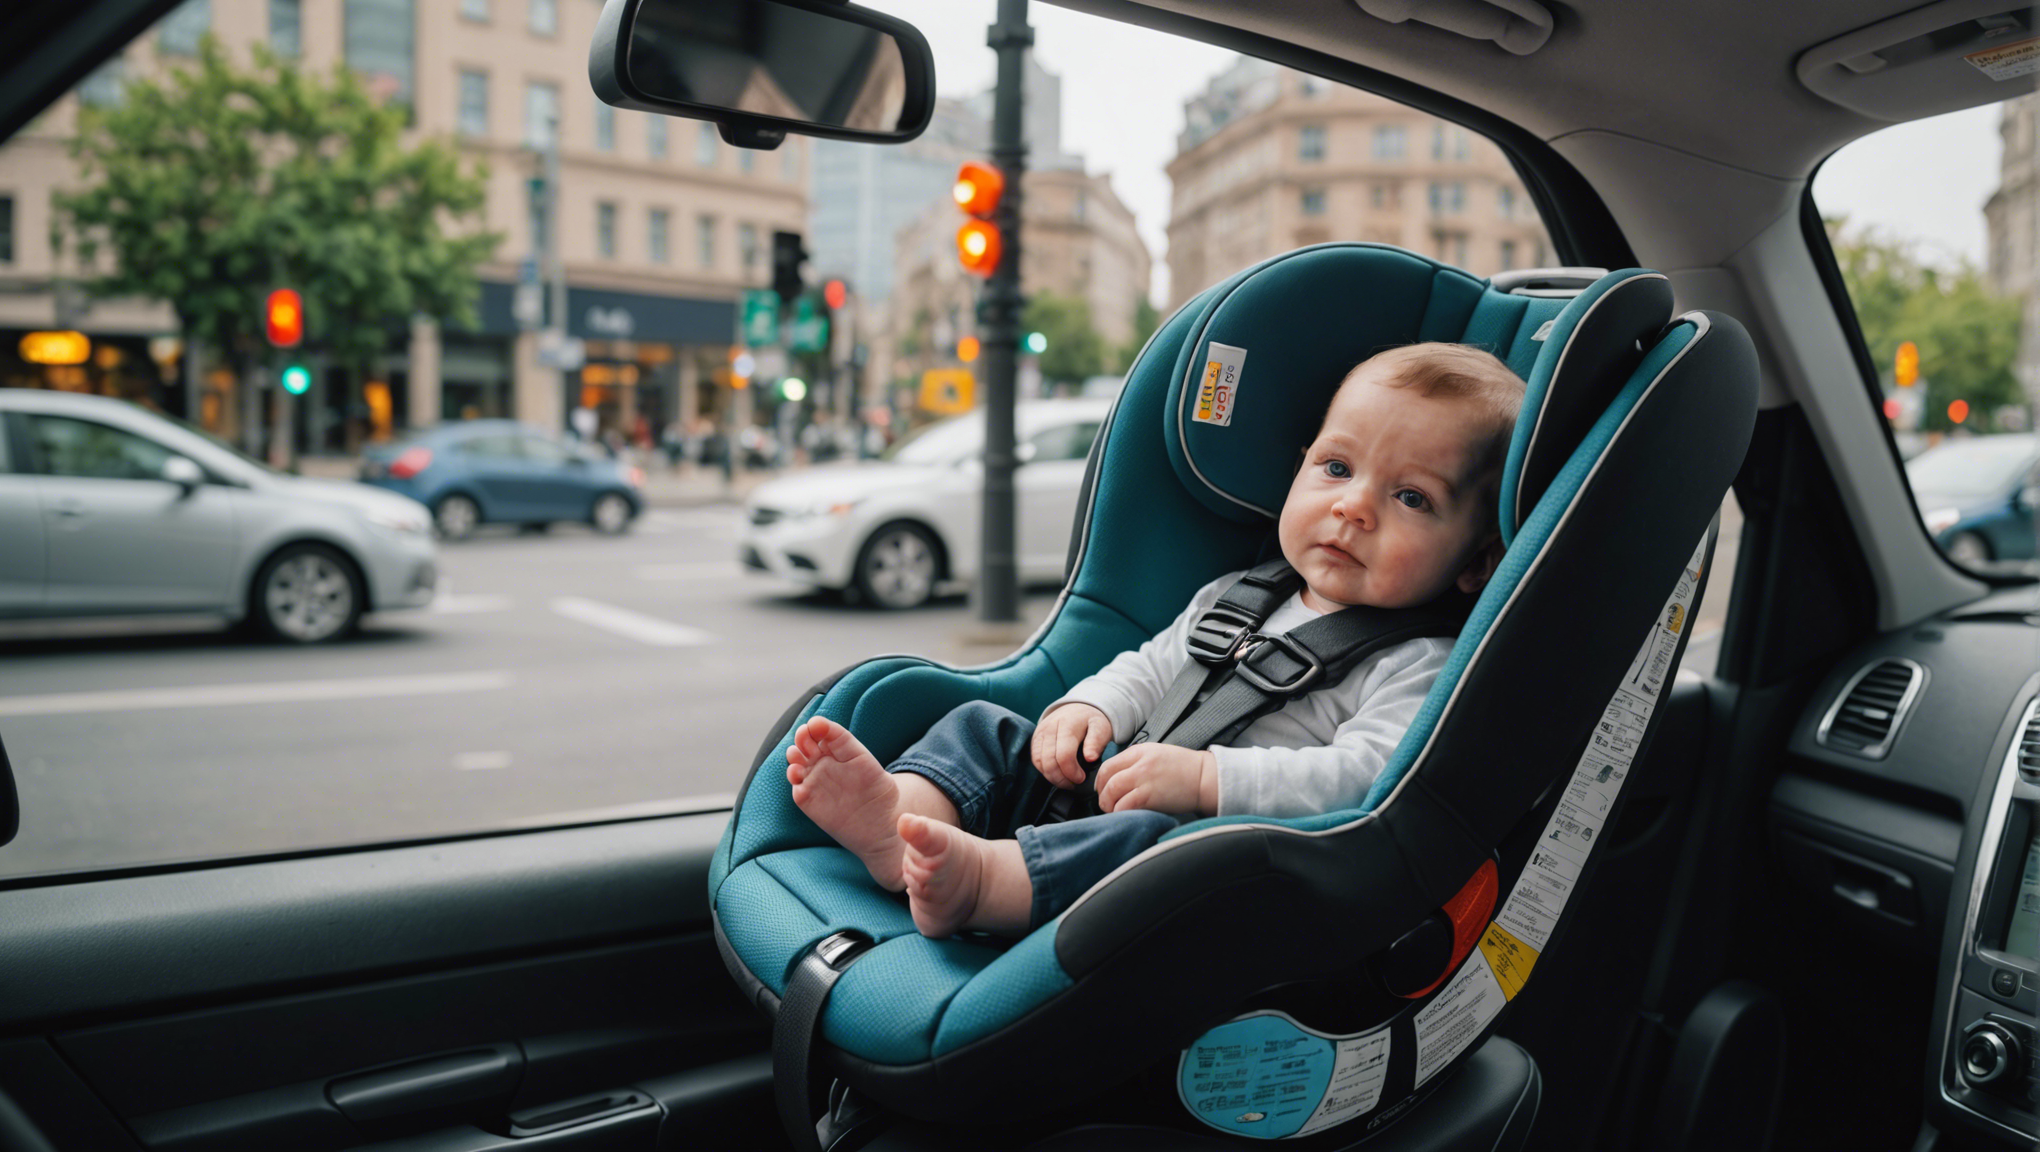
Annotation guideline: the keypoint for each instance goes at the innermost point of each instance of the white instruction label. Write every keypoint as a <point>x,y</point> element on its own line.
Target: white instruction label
<point>1457,1016</point>
<point>1357,1078</point>
<point>1265,1075</point>
<point>2007,61</point>
<point>1219,389</point>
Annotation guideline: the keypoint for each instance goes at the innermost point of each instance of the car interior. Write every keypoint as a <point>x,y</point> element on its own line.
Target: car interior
<point>1804,929</point>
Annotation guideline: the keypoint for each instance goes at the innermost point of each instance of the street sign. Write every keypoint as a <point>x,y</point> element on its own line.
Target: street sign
<point>948,391</point>
<point>761,318</point>
<point>527,305</point>
<point>809,331</point>
<point>566,353</point>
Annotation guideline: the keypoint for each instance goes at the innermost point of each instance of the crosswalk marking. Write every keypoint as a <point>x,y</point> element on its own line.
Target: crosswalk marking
<point>227,695</point>
<point>630,625</point>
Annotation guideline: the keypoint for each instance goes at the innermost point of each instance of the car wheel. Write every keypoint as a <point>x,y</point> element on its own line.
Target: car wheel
<point>1968,548</point>
<point>306,593</point>
<point>896,567</point>
<point>610,514</point>
<point>456,516</point>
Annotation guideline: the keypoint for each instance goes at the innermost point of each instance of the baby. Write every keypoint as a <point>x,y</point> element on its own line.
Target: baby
<point>1394,506</point>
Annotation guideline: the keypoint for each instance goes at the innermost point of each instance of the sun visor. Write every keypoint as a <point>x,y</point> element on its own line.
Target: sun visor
<point>1941,58</point>
<point>1518,26</point>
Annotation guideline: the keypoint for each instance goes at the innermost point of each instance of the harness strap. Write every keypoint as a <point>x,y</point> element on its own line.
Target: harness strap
<point>793,1034</point>
<point>1217,636</point>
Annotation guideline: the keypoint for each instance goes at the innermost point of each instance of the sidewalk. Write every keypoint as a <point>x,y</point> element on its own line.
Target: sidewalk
<point>686,488</point>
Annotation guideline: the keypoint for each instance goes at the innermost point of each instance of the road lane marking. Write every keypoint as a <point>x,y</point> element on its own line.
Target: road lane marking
<point>466,605</point>
<point>725,517</point>
<point>228,695</point>
<point>630,625</point>
<point>480,761</point>
<point>694,570</point>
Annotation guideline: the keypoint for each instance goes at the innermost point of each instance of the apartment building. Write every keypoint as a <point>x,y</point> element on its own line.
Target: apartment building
<point>661,225</point>
<point>2012,230</point>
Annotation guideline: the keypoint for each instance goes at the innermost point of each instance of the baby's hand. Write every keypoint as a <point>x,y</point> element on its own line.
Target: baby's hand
<point>1067,736</point>
<point>1160,777</point>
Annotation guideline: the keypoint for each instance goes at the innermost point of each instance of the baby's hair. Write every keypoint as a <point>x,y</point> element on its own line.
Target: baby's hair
<point>1461,372</point>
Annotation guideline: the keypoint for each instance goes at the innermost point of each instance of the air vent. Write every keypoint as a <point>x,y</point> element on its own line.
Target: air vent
<point>2028,752</point>
<point>1866,717</point>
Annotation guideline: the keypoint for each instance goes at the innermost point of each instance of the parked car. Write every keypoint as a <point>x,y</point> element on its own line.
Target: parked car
<point>893,531</point>
<point>109,509</point>
<point>1980,496</point>
<point>477,472</point>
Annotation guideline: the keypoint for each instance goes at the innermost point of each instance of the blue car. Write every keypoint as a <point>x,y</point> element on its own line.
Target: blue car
<point>501,472</point>
<point>1980,496</point>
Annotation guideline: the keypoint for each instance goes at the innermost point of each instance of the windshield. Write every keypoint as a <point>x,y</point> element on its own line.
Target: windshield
<point>943,443</point>
<point>1968,468</point>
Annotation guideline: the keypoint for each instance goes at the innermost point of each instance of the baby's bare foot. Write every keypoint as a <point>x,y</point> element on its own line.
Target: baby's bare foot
<point>845,790</point>
<point>943,869</point>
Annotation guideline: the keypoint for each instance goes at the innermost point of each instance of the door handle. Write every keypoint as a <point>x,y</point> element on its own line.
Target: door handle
<point>69,507</point>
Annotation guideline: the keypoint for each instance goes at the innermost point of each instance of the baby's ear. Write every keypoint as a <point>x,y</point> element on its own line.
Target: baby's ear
<point>1481,566</point>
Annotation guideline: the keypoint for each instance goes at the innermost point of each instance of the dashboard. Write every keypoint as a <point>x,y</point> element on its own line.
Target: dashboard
<point>1909,806</point>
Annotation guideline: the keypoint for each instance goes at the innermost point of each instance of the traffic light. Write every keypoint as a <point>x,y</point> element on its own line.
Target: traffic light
<point>1906,369</point>
<point>297,379</point>
<point>979,188</point>
<point>787,257</point>
<point>284,318</point>
<point>1036,343</point>
<point>834,293</point>
<point>967,349</point>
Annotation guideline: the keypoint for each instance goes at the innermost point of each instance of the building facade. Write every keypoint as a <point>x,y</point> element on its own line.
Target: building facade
<point>660,225</point>
<point>1272,159</point>
<point>2012,231</point>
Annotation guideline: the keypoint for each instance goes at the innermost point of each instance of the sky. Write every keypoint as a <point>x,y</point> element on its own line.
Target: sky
<point>1124,88</point>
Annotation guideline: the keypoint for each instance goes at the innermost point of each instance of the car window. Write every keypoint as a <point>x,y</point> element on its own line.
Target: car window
<point>501,447</point>
<point>542,451</point>
<point>1063,442</point>
<point>1938,272</point>
<point>86,448</point>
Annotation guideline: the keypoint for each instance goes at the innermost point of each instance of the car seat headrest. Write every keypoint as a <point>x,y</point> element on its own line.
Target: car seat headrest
<point>1269,347</point>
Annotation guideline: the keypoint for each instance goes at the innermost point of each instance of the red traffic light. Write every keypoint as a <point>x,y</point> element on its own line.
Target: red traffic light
<point>284,318</point>
<point>978,188</point>
<point>978,246</point>
<point>834,293</point>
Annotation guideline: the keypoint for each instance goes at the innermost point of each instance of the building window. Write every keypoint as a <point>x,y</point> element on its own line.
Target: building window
<point>541,114</point>
<point>102,87</point>
<point>476,10</point>
<point>1310,87</point>
<point>605,127</point>
<point>1451,247</point>
<point>380,44</point>
<point>1389,142</point>
<point>747,246</point>
<point>184,27</point>
<point>704,236</point>
<point>1310,142</point>
<point>545,17</point>
<point>6,229</point>
<point>655,235</point>
<point>1447,197</point>
<point>704,145</point>
<point>655,136</point>
<point>605,230</point>
<point>286,27</point>
<point>1313,202</point>
<point>1505,202</point>
<point>1508,255</point>
<point>474,103</point>
<point>1377,195</point>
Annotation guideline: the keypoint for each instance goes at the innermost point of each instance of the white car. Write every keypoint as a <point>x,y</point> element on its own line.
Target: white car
<point>109,509</point>
<point>893,531</point>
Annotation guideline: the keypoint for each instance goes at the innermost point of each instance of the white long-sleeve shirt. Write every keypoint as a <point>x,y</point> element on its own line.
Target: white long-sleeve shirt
<point>1318,753</point>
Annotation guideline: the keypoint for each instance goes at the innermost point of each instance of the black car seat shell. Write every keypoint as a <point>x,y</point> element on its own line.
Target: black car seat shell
<point>1634,424</point>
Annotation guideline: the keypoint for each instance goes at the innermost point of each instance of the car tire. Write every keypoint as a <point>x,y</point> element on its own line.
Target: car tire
<point>611,514</point>
<point>1969,548</point>
<point>455,516</point>
<point>306,594</point>
<point>897,567</point>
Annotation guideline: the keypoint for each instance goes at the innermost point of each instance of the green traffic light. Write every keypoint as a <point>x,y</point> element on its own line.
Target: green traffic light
<point>1037,343</point>
<point>793,388</point>
<point>297,380</point>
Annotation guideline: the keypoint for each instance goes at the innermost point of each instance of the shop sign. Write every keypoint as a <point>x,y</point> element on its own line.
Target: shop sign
<point>610,321</point>
<point>56,348</point>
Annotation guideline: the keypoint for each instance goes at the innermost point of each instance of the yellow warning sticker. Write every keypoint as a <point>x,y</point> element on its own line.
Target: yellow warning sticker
<point>1220,388</point>
<point>1675,619</point>
<point>1509,957</point>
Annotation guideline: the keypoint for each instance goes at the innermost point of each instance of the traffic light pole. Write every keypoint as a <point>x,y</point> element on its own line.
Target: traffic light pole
<point>998,574</point>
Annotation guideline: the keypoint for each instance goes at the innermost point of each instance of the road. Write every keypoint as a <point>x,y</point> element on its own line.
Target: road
<point>560,676</point>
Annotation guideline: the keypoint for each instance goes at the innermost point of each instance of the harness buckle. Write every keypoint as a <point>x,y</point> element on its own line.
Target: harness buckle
<point>1313,667</point>
<point>1218,634</point>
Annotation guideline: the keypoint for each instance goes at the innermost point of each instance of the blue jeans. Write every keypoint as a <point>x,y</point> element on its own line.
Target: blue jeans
<point>978,756</point>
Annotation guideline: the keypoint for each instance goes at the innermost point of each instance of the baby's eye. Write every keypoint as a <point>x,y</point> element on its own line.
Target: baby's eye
<point>1411,498</point>
<point>1337,469</point>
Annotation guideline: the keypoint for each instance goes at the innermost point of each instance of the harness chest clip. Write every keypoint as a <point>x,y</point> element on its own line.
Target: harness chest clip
<point>1218,634</point>
<point>1259,644</point>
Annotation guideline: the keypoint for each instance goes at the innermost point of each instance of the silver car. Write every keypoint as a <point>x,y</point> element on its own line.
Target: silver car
<point>109,509</point>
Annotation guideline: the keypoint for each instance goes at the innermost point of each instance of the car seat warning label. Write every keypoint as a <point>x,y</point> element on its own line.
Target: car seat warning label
<point>2007,61</point>
<point>1267,1076</point>
<point>1219,389</point>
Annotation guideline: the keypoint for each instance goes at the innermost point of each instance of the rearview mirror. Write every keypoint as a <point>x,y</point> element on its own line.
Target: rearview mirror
<point>762,68</point>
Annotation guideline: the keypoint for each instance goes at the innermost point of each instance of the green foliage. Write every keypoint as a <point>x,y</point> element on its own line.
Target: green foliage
<point>1968,338</point>
<point>1145,320</point>
<point>1075,350</point>
<point>214,185</point>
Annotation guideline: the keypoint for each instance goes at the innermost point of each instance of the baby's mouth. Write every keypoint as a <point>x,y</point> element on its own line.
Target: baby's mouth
<point>1339,552</point>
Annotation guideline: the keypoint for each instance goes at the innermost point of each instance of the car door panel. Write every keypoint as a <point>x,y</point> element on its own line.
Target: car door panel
<point>95,529</point>
<point>22,553</point>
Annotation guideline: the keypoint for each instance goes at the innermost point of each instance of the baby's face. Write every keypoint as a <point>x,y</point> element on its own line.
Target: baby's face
<point>1386,510</point>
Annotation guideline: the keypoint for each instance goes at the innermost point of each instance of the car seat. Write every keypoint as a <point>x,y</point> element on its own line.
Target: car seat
<point>1371,949</point>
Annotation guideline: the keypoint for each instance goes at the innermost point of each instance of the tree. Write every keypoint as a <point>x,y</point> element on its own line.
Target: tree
<point>1075,350</point>
<point>1145,320</point>
<point>1967,337</point>
<point>211,186</point>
